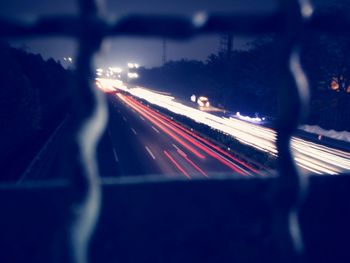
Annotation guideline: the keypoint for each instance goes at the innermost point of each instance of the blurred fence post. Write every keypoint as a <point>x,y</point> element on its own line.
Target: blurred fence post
<point>293,100</point>
<point>89,120</point>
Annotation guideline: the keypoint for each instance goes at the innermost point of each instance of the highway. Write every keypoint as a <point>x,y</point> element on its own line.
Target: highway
<point>310,156</point>
<point>144,142</point>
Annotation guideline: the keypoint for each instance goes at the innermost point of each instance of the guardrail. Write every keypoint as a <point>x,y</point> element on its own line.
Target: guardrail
<point>37,166</point>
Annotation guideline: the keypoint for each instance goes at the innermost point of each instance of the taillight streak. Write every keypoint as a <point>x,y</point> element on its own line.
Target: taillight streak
<point>187,137</point>
<point>158,124</point>
<point>192,163</point>
<point>202,140</point>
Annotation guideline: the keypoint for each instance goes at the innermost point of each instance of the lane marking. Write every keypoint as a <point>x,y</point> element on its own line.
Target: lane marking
<point>142,118</point>
<point>182,153</point>
<point>150,153</point>
<point>124,119</point>
<point>176,147</point>
<point>154,128</point>
<point>133,130</point>
<point>177,165</point>
<point>113,149</point>
<point>192,163</point>
<point>115,155</point>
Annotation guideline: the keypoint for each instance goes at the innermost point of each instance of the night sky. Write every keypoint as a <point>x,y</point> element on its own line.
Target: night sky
<point>119,51</point>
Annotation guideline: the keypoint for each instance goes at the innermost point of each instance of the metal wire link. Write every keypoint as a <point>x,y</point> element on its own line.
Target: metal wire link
<point>90,118</point>
<point>172,26</point>
<point>294,101</point>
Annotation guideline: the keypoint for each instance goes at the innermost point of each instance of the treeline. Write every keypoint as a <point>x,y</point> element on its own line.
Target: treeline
<point>228,83</point>
<point>249,81</point>
<point>33,101</point>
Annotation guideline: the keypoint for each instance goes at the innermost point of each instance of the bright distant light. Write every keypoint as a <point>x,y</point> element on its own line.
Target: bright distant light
<point>133,65</point>
<point>110,85</point>
<point>116,69</point>
<point>193,98</point>
<point>69,59</point>
<point>133,75</point>
<point>99,70</point>
<point>200,18</point>
<point>203,101</point>
<point>307,10</point>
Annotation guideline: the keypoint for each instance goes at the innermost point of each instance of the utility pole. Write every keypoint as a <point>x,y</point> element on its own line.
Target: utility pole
<point>226,45</point>
<point>164,57</point>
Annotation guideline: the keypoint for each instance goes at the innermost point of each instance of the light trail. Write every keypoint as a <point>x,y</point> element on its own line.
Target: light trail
<point>147,113</point>
<point>306,153</point>
<point>184,135</point>
<point>164,129</point>
<point>192,163</point>
<point>178,166</point>
<point>218,149</point>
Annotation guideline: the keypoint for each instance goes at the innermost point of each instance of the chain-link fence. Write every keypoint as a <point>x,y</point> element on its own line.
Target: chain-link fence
<point>290,21</point>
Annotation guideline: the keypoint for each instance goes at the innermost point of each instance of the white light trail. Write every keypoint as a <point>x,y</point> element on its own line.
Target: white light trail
<point>314,157</point>
<point>116,69</point>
